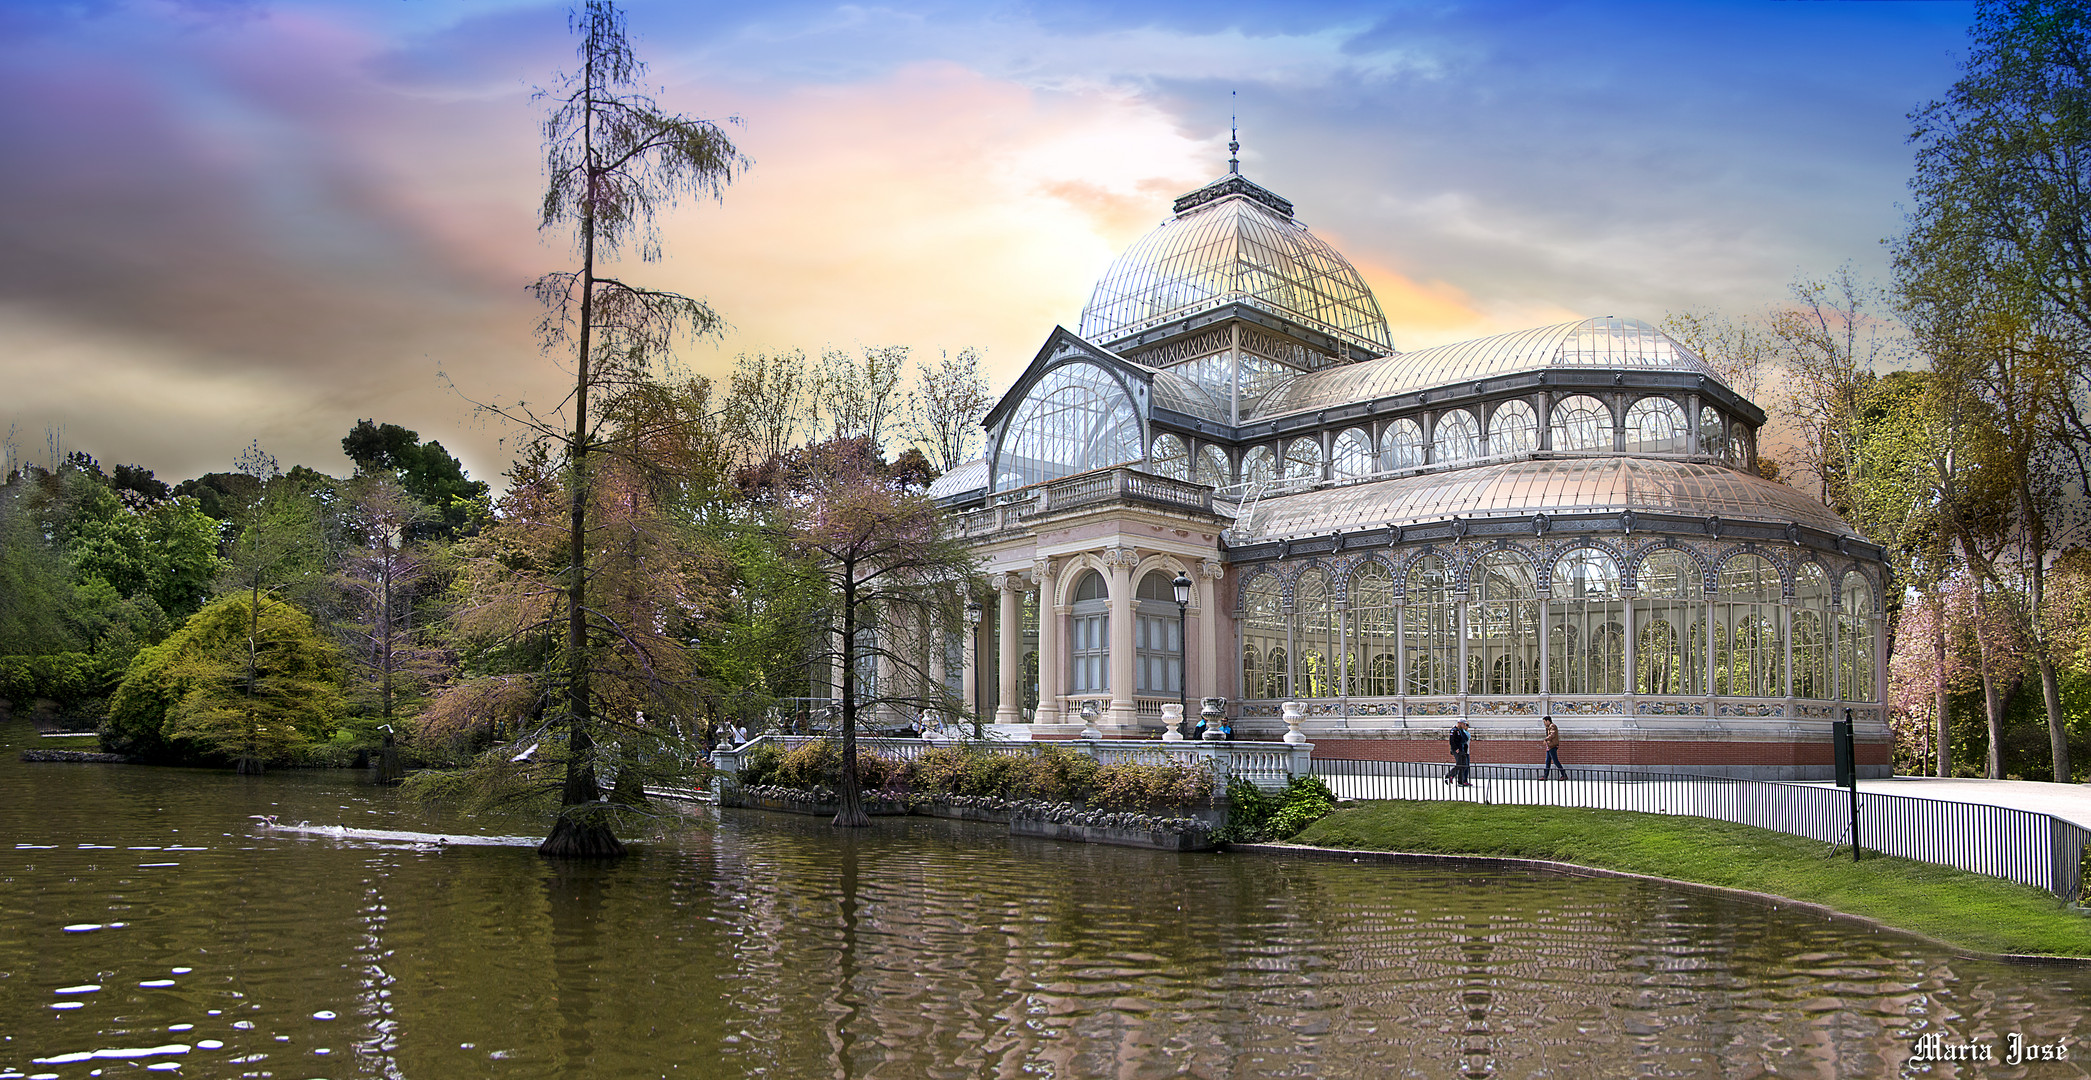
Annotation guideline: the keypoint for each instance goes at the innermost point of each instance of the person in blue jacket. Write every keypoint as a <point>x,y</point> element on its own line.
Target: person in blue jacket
<point>1460,739</point>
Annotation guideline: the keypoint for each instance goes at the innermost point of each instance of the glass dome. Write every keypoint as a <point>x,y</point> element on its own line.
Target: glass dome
<point>1608,343</point>
<point>1231,241</point>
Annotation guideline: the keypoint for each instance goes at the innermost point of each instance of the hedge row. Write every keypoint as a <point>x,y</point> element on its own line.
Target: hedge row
<point>1049,773</point>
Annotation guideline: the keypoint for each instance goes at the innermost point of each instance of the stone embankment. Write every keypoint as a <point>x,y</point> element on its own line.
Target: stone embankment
<point>1024,817</point>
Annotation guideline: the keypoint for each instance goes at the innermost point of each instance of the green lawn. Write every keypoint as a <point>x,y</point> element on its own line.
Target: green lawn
<point>1970,910</point>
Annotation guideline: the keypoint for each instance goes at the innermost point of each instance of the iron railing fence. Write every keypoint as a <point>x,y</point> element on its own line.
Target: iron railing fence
<point>2024,846</point>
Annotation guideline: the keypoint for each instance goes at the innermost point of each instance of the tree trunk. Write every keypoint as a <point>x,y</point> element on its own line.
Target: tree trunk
<point>572,837</point>
<point>2057,731</point>
<point>849,813</point>
<point>1992,693</point>
<point>1944,718</point>
<point>575,839</point>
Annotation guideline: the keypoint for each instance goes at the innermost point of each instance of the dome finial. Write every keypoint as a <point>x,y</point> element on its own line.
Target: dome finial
<point>1234,139</point>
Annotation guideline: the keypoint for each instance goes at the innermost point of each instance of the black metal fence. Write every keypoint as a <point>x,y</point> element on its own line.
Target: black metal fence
<point>2017,845</point>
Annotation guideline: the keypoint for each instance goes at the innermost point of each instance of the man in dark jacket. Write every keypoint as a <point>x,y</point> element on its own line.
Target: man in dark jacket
<point>1459,755</point>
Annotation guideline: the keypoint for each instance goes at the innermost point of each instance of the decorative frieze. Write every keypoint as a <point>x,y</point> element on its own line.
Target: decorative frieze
<point>1670,708</point>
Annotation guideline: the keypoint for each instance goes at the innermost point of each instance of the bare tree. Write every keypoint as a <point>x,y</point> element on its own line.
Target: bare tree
<point>857,396</point>
<point>1830,345</point>
<point>615,160</point>
<point>766,404</point>
<point>946,405</point>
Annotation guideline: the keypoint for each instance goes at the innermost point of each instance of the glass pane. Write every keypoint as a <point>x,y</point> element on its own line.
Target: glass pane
<point>1077,417</point>
<point>1457,437</point>
<point>1353,457</point>
<point>1169,457</point>
<point>1656,425</point>
<point>1512,429</point>
<point>1581,423</point>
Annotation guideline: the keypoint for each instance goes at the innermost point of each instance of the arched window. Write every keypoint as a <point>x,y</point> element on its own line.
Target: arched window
<point>1169,457</point>
<point>1089,637</point>
<point>1456,438</point>
<point>1750,659</point>
<point>1811,632</point>
<point>1430,628</point>
<point>1157,636</point>
<point>1503,626</point>
<point>1581,423</point>
<point>1401,445</point>
<point>1656,425</point>
<point>1259,466</point>
<point>1373,672</point>
<point>1214,470</point>
<point>1303,458</point>
<point>1670,651</point>
<point>1263,638</point>
<point>1353,457</point>
<point>1855,639</point>
<point>1512,429</point>
<point>1314,640</point>
<point>1077,417</point>
<point>1586,642</point>
<point>1713,433</point>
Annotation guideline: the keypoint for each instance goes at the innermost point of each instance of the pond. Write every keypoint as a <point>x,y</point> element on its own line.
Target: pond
<point>148,924</point>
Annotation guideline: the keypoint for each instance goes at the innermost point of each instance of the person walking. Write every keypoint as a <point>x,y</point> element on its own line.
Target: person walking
<point>1553,751</point>
<point>1460,739</point>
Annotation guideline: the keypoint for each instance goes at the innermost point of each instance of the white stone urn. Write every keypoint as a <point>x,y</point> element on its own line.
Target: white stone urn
<point>1172,722</point>
<point>1089,714</point>
<point>1293,715</point>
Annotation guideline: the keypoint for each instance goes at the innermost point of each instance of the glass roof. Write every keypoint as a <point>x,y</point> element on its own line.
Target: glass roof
<point>1608,343</point>
<point>1565,486</point>
<point>1234,248</point>
<point>1173,391</point>
<point>963,477</point>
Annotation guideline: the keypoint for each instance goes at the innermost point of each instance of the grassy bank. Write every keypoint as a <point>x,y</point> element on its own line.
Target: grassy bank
<point>1970,910</point>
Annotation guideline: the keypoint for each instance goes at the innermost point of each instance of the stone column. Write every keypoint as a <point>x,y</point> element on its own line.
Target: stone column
<point>939,672</point>
<point>969,677</point>
<point>1209,574</point>
<point>1124,713</point>
<point>1009,632</point>
<point>1051,673</point>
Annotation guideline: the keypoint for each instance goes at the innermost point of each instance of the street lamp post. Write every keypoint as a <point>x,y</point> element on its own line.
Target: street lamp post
<point>973,621</point>
<point>1182,584</point>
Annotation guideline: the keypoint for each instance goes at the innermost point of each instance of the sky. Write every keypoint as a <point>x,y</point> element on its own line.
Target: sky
<point>229,221</point>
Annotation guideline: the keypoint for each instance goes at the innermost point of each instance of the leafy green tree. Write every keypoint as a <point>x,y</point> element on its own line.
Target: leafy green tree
<point>1994,273</point>
<point>615,160</point>
<point>425,470</point>
<point>250,682</point>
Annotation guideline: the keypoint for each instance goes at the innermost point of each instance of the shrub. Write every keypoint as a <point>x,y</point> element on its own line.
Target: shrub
<point>1058,774</point>
<point>1248,811</point>
<point>814,764</point>
<point>939,769</point>
<point>759,768</point>
<point>1304,801</point>
<point>1253,814</point>
<point>991,774</point>
<point>818,764</point>
<point>1152,787</point>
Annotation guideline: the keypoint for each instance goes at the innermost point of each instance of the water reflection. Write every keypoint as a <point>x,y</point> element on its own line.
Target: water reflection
<point>754,944</point>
